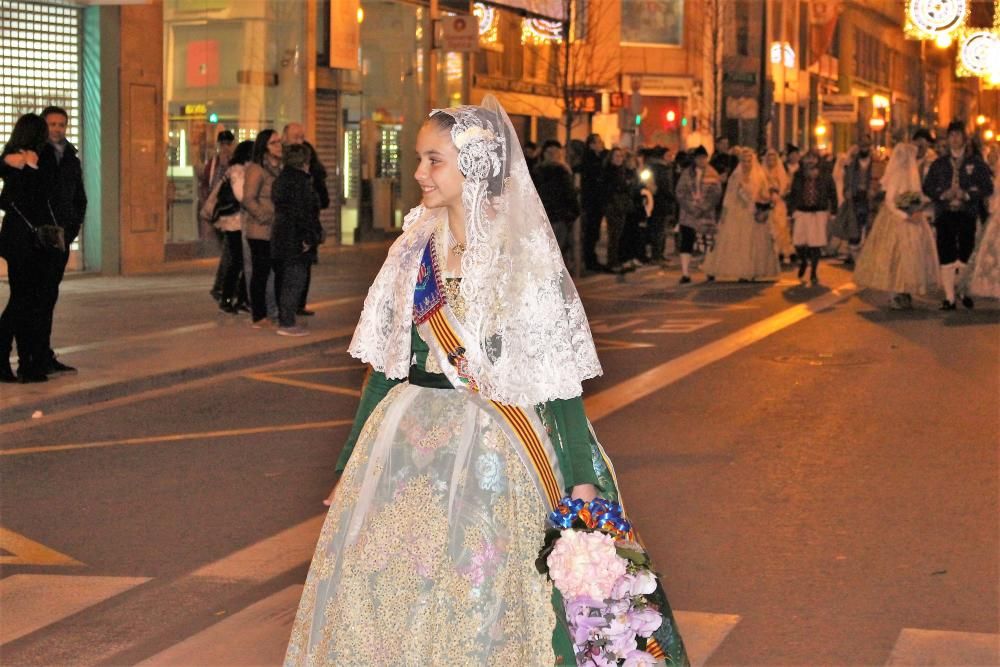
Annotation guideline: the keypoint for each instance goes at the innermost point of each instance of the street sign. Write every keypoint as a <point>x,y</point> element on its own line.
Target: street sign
<point>457,33</point>
<point>749,78</point>
<point>839,108</point>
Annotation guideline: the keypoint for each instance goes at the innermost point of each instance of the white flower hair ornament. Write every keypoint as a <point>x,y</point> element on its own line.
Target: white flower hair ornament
<point>481,150</point>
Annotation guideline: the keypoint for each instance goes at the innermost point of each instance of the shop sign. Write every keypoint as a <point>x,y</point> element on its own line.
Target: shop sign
<point>457,33</point>
<point>586,102</point>
<point>194,109</point>
<point>839,108</point>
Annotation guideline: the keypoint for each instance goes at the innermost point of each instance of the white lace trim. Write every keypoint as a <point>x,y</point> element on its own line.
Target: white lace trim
<point>532,339</point>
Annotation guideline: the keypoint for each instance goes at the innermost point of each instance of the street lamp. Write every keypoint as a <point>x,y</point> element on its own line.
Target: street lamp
<point>820,129</point>
<point>988,135</point>
<point>980,119</point>
<point>942,41</point>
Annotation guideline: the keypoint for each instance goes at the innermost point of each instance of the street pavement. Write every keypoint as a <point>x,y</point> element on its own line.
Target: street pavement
<point>816,477</point>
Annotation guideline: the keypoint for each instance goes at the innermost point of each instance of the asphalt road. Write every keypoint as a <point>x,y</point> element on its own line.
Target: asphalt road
<point>813,490</point>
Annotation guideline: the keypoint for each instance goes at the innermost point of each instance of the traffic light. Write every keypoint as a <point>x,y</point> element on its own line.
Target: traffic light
<point>638,119</point>
<point>671,116</point>
<point>213,117</point>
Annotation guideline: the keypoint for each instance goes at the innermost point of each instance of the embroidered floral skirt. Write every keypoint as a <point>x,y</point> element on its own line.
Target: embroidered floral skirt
<point>427,555</point>
<point>898,256</point>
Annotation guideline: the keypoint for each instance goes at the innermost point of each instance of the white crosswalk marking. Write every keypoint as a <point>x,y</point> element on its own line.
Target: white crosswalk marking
<point>33,601</point>
<point>254,636</point>
<point>703,633</point>
<point>945,648</point>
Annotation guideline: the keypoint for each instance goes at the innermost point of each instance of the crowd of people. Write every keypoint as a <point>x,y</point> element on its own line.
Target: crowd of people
<point>910,220</point>
<point>263,198</point>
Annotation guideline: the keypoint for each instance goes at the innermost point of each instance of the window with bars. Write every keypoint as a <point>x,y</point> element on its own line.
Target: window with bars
<point>39,62</point>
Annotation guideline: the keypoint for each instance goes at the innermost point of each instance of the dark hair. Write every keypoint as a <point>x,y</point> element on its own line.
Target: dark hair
<point>296,156</point>
<point>591,137</point>
<point>551,143</point>
<point>956,126</point>
<point>700,150</point>
<point>225,137</point>
<point>260,145</point>
<point>923,133</point>
<point>610,153</point>
<point>791,148</point>
<point>530,144</point>
<point>29,134</point>
<point>243,153</point>
<point>48,111</point>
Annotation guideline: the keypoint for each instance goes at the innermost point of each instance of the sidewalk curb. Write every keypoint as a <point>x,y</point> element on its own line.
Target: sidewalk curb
<point>118,389</point>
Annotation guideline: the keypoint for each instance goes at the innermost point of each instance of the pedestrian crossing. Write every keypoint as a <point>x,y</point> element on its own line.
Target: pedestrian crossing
<point>258,634</point>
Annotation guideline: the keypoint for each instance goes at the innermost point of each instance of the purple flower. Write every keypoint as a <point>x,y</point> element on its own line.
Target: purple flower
<point>644,621</point>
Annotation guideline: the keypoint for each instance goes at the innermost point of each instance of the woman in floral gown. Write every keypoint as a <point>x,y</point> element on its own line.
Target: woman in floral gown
<point>983,275</point>
<point>470,428</point>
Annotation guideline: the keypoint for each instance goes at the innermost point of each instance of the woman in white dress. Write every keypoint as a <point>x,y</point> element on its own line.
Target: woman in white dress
<point>470,429</point>
<point>744,249</point>
<point>899,255</point>
<point>983,275</point>
<point>778,183</point>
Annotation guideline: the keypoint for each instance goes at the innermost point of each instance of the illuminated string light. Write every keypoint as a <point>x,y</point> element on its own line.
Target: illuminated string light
<point>541,31</point>
<point>489,22</point>
<point>978,52</point>
<point>930,19</point>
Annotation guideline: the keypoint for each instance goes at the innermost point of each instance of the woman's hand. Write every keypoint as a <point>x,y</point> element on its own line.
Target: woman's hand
<point>30,158</point>
<point>584,492</point>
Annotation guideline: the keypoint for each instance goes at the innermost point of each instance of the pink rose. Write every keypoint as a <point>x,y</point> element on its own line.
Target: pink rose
<point>585,564</point>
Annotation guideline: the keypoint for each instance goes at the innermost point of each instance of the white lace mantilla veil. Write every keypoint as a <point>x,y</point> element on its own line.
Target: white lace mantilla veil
<point>530,340</point>
<point>902,174</point>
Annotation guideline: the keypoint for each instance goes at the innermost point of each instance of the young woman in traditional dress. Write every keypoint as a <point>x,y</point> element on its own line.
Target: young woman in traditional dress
<point>778,183</point>
<point>470,428</point>
<point>744,249</point>
<point>899,256</point>
<point>983,275</point>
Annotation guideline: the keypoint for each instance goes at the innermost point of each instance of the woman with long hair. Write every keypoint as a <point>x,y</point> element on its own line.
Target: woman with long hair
<point>234,298</point>
<point>899,255</point>
<point>778,184</point>
<point>470,427</point>
<point>26,206</point>
<point>744,249</point>
<point>259,176</point>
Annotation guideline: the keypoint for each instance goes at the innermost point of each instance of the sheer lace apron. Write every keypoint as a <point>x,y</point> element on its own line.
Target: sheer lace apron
<point>427,555</point>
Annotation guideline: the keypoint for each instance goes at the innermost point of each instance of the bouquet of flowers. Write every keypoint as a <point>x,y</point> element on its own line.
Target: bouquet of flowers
<point>611,596</point>
<point>762,211</point>
<point>909,202</point>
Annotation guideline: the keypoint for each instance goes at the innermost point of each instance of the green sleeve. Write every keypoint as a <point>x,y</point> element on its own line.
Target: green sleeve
<point>570,422</point>
<point>375,390</point>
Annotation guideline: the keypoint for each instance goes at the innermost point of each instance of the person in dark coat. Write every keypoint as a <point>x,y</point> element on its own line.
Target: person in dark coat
<point>294,236</point>
<point>958,182</point>
<point>554,182</point>
<point>27,205</point>
<point>619,200</point>
<point>294,133</point>
<point>660,182</point>
<point>592,198</point>
<point>69,202</point>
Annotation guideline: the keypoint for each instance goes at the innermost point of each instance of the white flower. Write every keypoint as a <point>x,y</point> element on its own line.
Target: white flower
<point>472,133</point>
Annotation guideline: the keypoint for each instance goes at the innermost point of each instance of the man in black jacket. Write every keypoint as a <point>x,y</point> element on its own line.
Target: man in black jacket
<point>294,133</point>
<point>554,183</point>
<point>69,204</point>
<point>592,198</point>
<point>959,183</point>
<point>294,236</point>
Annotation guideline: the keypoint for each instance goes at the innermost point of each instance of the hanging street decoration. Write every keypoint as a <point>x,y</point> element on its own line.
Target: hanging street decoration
<point>541,31</point>
<point>978,52</point>
<point>934,19</point>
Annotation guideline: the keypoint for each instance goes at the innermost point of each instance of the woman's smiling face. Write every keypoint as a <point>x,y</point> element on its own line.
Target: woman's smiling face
<point>437,167</point>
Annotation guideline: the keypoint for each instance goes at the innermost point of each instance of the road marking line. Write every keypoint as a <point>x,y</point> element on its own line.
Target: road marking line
<point>190,328</point>
<point>678,327</point>
<point>608,344</point>
<point>23,551</point>
<point>329,369</point>
<point>703,633</point>
<point>602,327</point>
<point>269,557</point>
<point>942,647</point>
<point>257,635</point>
<point>34,601</point>
<point>625,393</point>
<point>316,386</point>
<point>181,437</point>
